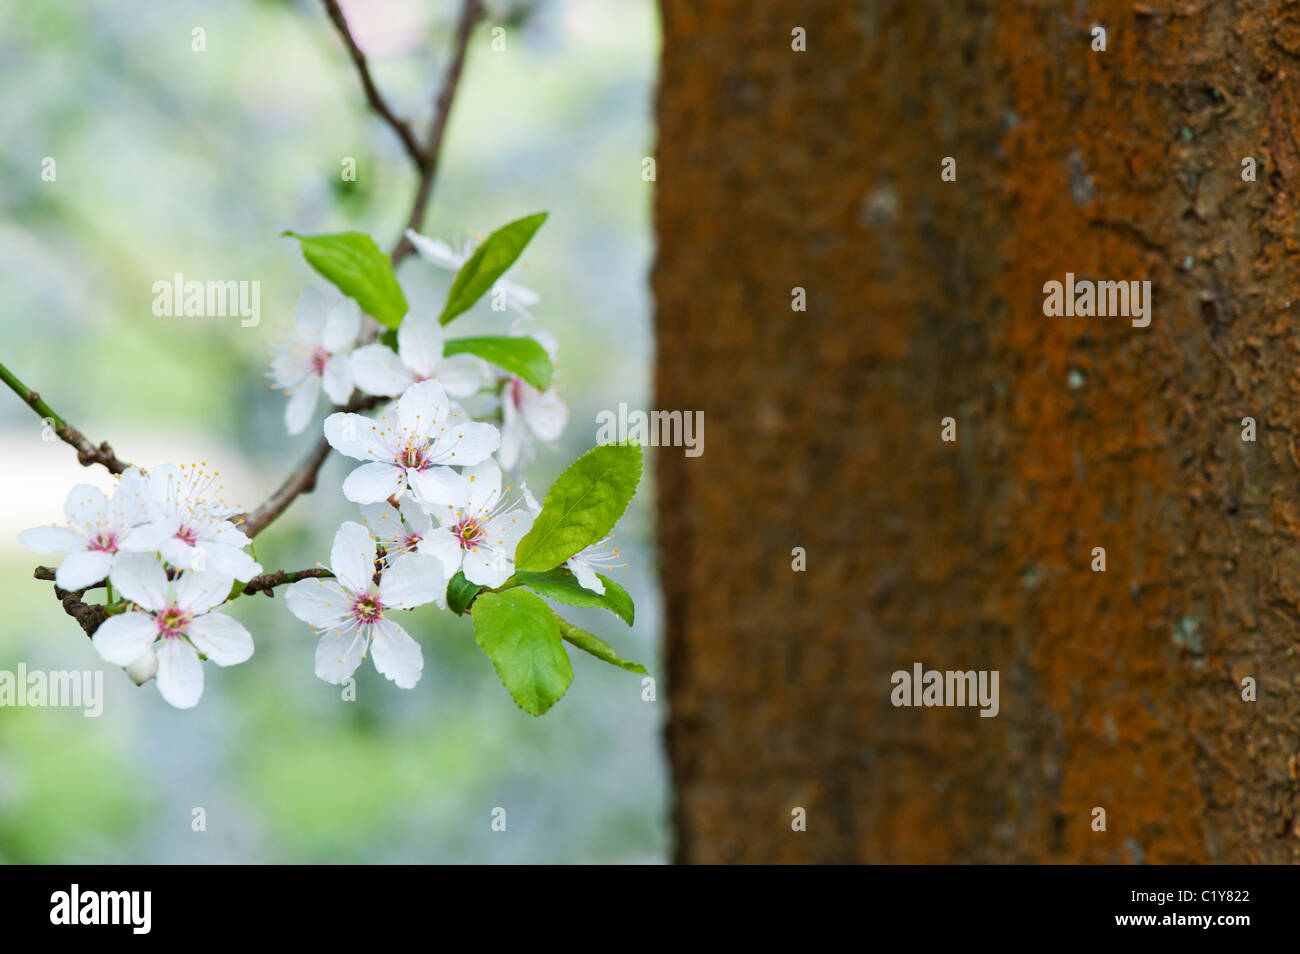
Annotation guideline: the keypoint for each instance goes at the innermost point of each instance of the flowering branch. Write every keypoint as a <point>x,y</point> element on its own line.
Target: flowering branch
<point>437,525</point>
<point>303,478</point>
<point>87,453</point>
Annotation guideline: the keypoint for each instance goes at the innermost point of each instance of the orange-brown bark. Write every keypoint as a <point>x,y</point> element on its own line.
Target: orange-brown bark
<point>1119,689</point>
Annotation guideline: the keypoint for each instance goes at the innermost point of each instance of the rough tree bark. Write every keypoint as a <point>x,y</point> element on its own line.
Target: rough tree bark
<point>1120,689</point>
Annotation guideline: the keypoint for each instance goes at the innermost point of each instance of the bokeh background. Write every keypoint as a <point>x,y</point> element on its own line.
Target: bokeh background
<point>171,160</point>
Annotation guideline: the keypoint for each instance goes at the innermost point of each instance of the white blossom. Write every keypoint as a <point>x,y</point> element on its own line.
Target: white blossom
<point>350,613</point>
<point>174,620</point>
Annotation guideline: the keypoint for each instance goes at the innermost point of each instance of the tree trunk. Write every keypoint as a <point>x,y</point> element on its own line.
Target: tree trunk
<point>1121,689</point>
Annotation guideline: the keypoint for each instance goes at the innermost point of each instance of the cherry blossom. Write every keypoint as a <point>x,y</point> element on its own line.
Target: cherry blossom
<point>398,529</point>
<point>189,529</point>
<point>480,537</point>
<point>100,530</point>
<point>350,613</point>
<point>174,621</point>
<point>414,444</point>
<point>316,354</point>
<point>419,357</point>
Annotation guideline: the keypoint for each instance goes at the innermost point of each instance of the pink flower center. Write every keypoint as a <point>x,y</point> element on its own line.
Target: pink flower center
<point>172,622</point>
<point>469,533</point>
<point>104,543</point>
<point>411,542</point>
<point>187,535</point>
<point>517,392</point>
<point>319,358</point>
<point>414,458</point>
<point>367,609</point>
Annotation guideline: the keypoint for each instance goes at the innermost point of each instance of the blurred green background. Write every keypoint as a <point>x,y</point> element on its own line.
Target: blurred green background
<point>171,160</point>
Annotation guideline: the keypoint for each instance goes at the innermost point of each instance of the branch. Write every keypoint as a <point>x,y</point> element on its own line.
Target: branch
<point>267,582</point>
<point>88,615</point>
<point>470,12</point>
<point>87,453</point>
<point>373,96</point>
<point>303,479</point>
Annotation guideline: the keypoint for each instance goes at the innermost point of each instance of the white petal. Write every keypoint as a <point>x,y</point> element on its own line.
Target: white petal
<point>128,505</point>
<point>180,673</point>
<point>484,485</point>
<point>439,487</point>
<point>443,545</point>
<point>86,507</point>
<point>123,639</point>
<point>508,529</point>
<point>462,375</point>
<point>377,370</point>
<point>311,312</point>
<point>413,580</point>
<point>352,435</point>
<point>384,523</point>
<point>373,482</point>
<point>198,591</point>
<point>52,540</point>
<point>180,554</point>
<point>352,558</point>
<point>417,520</point>
<point>342,326</point>
<point>80,570</point>
<point>147,537</point>
<point>169,494</point>
<point>320,603</point>
<point>396,654</point>
<point>487,567</point>
<point>467,444</point>
<point>421,409</point>
<point>141,579</point>
<point>226,560</point>
<point>302,404</point>
<point>519,296</point>
<point>435,251</point>
<point>337,378</point>
<point>419,342</point>
<point>544,413</point>
<point>338,655</point>
<point>221,639</point>
<point>586,575</point>
<point>514,435</point>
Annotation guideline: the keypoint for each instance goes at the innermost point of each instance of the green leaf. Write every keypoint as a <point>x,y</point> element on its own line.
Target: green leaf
<point>460,592</point>
<point>353,262</point>
<point>522,356</point>
<point>488,263</point>
<point>597,647</point>
<point>521,635</point>
<point>583,505</point>
<point>560,584</point>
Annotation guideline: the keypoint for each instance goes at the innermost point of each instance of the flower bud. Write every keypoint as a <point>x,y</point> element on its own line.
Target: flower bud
<point>144,668</point>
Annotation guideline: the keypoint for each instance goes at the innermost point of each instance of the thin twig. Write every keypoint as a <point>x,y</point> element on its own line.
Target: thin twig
<point>267,582</point>
<point>373,96</point>
<point>469,15</point>
<point>87,453</point>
